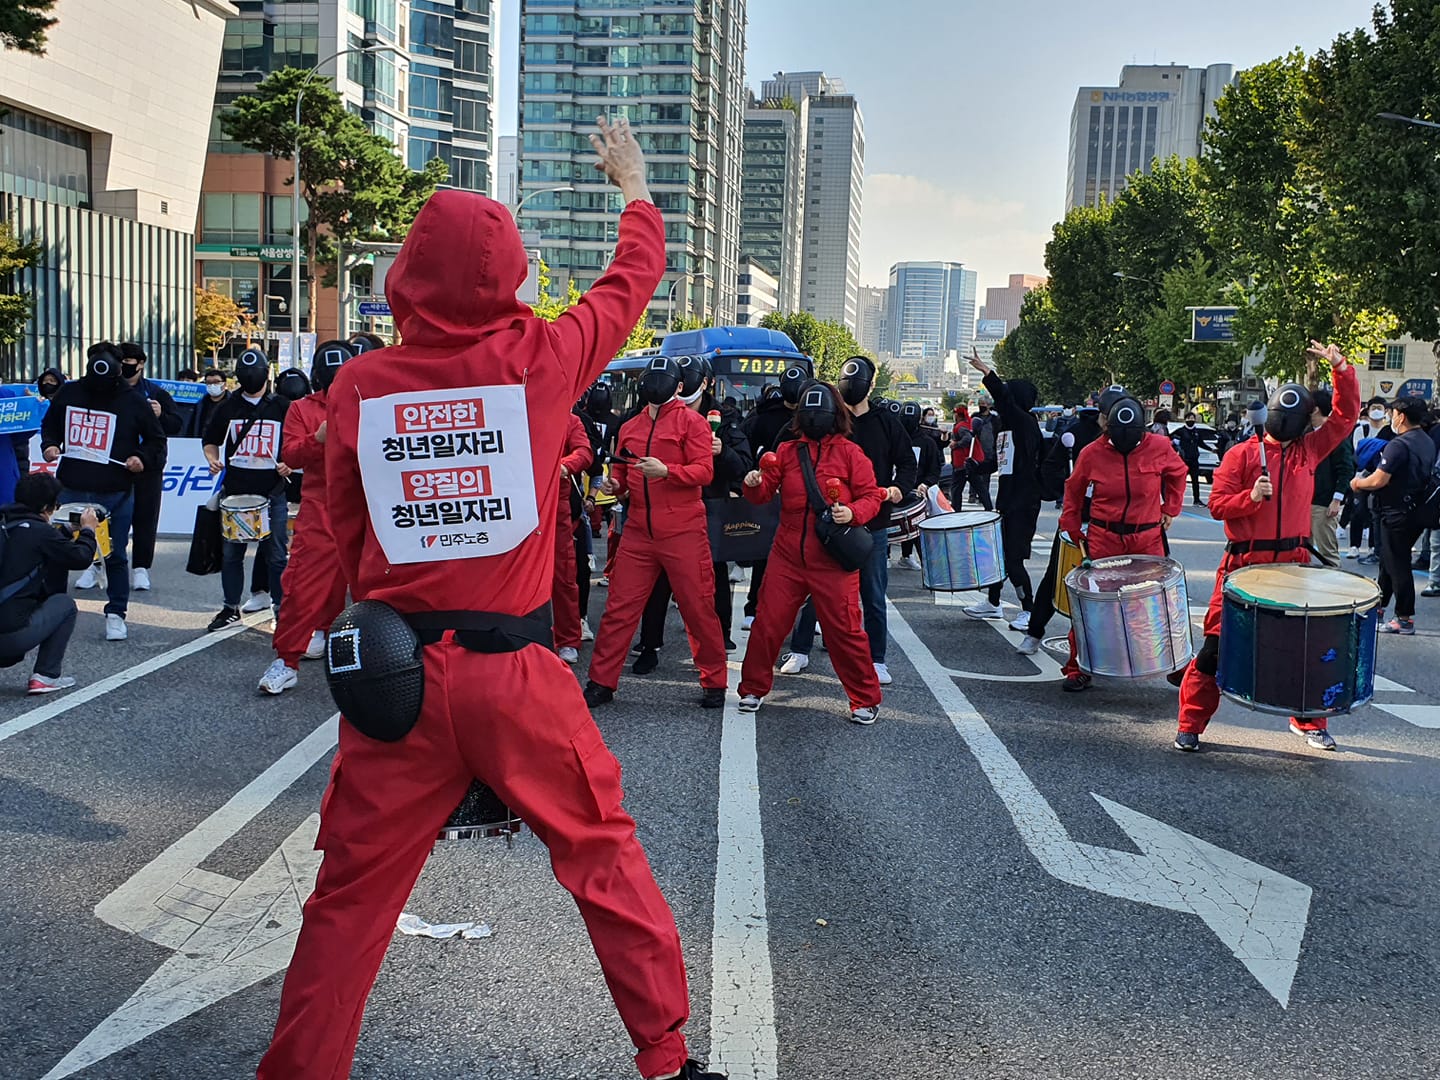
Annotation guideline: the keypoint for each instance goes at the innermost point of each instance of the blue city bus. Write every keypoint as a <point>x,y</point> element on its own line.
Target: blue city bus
<point>744,359</point>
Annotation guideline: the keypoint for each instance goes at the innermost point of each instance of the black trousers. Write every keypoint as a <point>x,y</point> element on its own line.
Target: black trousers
<point>1042,609</point>
<point>1397,537</point>
<point>979,482</point>
<point>49,626</point>
<point>1018,531</point>
<point>1194,480</point>
<point>652,623</point>
<point>147,519</point>
<point>1357,517</point>
<point>757,578</point>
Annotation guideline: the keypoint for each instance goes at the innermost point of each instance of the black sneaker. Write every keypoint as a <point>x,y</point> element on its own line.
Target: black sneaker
<point>1430,590</point>
<point>1187,741</point>
<point>227,616</point>
<point>730,646</point>
<point>1073,684</point>
<point>1177,677</point>
<point>713,698</point>
<point>595,694</point>
<point>693,1070</point>
<point>646,662</point>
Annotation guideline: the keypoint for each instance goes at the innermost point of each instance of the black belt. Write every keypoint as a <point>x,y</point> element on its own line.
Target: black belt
<point>1122,529</point>
<point>486,631</point>
<point>1245,547</point>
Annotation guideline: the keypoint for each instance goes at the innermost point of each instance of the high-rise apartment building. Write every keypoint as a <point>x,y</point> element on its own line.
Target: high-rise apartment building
<point>833,190</point>
<point>773,184</point>
<point>431,93</point>
<point>102,167</point>
<point>507,170</point>
<point>873,311</point>
<point>759,293</point>
<point>1004,303</point>
<point>931,309</point>
<point>676,69</point>
<point>1155,112</point>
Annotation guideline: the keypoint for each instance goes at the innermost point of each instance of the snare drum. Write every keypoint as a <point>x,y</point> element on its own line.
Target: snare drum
<point>962,551</point>
<point>245,518</point>
<point>1315,629</point>
<point>70,514</point>
<point>1069,556</point>
<point>905,520</point>
<point>1131,616</point>
<point>480,814</point>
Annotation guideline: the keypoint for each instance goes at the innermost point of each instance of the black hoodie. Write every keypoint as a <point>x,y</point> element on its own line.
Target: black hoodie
<point>119,426</point>
<point>1019,486</point>
<point>769,425</point>
<point>32,544</point>
<point>735,458</point>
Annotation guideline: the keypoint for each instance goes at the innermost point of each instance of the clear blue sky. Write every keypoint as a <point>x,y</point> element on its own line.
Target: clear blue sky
<point>967,106</point>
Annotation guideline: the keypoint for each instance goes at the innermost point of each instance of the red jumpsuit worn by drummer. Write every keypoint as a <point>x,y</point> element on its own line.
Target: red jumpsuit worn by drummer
<point>800,567</point>
<point>665,529</point>
<point>1270,531</point>
<point>467,419</point>
<point>313,582</point>
<point>565,595</point>
<point>1131,493</point>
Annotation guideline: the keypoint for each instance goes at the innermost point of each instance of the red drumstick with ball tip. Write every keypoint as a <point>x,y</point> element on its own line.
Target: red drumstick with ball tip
<point>832,489</point>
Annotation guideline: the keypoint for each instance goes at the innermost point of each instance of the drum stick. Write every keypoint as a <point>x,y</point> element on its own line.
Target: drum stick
<point>1264,466</point>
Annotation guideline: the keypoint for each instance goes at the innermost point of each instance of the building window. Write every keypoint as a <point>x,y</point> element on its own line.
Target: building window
<point>42,159</point>
<point>1394,357</point>
<point>278,218</point>
<point>230,219</point>
<point>238,280</point>
<point>431,98</point>
<point>472,57</point>
<point>295,45</point>
<point>244,46</point>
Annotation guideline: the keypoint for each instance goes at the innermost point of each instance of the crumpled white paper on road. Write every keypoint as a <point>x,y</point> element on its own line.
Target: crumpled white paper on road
<point>414,926</point>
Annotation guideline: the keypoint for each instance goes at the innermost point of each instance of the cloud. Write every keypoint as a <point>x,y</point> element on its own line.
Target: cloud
<point>911,219</point>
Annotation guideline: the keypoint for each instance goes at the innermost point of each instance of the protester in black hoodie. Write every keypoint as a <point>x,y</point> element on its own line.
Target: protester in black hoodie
<point>1017,449</point>
<point>35,609</point>
<point>928,463</point>
<point>105,436</point>
<point>149,483</point>
<point>733,460</point>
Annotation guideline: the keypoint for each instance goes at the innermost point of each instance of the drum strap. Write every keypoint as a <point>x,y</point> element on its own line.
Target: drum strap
<point>486,631</point>
<point>1245,547</point>
<point>1122,529</point>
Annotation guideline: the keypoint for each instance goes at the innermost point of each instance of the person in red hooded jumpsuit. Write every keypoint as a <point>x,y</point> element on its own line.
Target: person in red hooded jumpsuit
<point>490,377</point>
<point>1133,498</point>
<point>1267,520</point>
<point>565,595</point>
<point>799,566</point>
<point>314,584</point>
<point>663,460</point>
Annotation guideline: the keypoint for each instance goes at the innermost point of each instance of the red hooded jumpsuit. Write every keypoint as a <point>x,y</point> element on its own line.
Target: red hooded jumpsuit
<point>516,720</point>
<point>665,529</point>
<point>800,567</point>
<point>1130,493</point>
<point>313,582</point>
<point>1284,519</point>
<point>565,595</point>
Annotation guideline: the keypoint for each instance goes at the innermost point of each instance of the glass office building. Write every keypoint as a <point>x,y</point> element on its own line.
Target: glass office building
<point>931,309</point>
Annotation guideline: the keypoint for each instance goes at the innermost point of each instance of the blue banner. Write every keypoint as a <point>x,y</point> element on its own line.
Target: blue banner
<point>1417,388</point>
<point>21,409</point>
<point>1213,324</point>
<point>184,393</point>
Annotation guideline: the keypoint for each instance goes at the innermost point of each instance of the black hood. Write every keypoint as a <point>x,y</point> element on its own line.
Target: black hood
<point>1023,393</point>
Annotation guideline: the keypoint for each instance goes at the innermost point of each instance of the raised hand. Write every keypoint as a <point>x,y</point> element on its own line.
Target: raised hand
<point>621,158</point>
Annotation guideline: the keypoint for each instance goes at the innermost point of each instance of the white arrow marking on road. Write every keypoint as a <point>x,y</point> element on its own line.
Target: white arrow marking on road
<point>227,934</point>
<point>1258,913</point>
<point>1426,716</point>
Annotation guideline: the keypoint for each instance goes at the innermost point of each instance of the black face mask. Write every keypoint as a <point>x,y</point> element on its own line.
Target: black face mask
<point>857,378</point>
<point>792,383</point>
<point>661,382</point>
<point>49,389</point>
<point>910,418</point>
<point>1289,412</point>
<point>1189,423</point>
<point>1126,428</point>
<point>597,403</point>
<point>252,372</point>
<point>129,371</point>
<point>815,416</point>
<point>102,372</point>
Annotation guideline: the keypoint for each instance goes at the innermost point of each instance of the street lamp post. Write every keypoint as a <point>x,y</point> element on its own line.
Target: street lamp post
<point>1131,277</point>
<point>1412,120</point>
<point>539,191</point>
<point>295,194</point>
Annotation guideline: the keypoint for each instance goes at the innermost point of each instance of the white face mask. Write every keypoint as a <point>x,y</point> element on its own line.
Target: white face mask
<point>214,389</point>
<point>1378,415</point>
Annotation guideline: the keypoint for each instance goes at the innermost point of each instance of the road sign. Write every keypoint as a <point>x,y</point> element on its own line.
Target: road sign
<point>1212,325</point>
<point>1167,401</point>
<point>375,309</point>
<point>1167,387</point>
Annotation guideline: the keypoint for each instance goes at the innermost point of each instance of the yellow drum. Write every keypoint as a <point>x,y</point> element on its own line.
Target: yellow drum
<point>245,519</point>
<point>69,515</point>
<point>1070,558</point>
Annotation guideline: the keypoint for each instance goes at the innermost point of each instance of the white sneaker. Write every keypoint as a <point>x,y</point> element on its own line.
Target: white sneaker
<point>602,583</point>
<point>316,649</point>
<point>883,674</point>
<point>569,655</point>
<point>983,610</point>
<point>278,678</point>
<point>794,663</point>
<point>258,602</point>
<point>1029,647</point>
<point>866,715</point>
<point>115,629</point>
<point>88,579</point>
<point>747,622</point>
<point>750,703</point>
<point>912,562</point>
<point>141,580</point>
<point>1021,622</point>
<point>1353,553</point>
<point>44,684</point>
<point>586,634</point>
<point>737,573</point>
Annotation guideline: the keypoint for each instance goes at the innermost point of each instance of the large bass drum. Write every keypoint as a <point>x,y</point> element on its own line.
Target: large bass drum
<point>963,550</point>
<point>1131,616</point>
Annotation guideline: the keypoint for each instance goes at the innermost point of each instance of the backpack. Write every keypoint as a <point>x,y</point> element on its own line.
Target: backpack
<point>1425,511</point>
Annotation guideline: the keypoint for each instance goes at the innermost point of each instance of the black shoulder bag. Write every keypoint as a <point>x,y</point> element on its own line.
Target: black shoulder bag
<point>849,545</point>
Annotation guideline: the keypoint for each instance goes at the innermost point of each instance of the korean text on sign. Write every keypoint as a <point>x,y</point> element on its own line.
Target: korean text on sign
<point>89,434</point>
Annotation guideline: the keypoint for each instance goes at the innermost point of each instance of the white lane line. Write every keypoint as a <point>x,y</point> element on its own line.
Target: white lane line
<point>742,986</point>
<point>1389,686</point>
<point>63,704</point>
<point>1425,716</point>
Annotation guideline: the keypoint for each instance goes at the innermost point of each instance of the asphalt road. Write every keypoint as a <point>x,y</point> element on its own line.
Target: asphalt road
<point>942,894</point>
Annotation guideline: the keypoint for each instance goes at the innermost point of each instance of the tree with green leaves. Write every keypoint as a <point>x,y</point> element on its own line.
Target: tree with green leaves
<point>682,323</point>
<point>548,306</point>
<point>1168,328</point>
<point>1275,232</point>
<point>1087,302</point>
<point>828,344</point>
<point>1382,176</point>
<point>1034,351</point>
<point>16,306</point>
<point>351,181</point>
<point>23,24</point>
